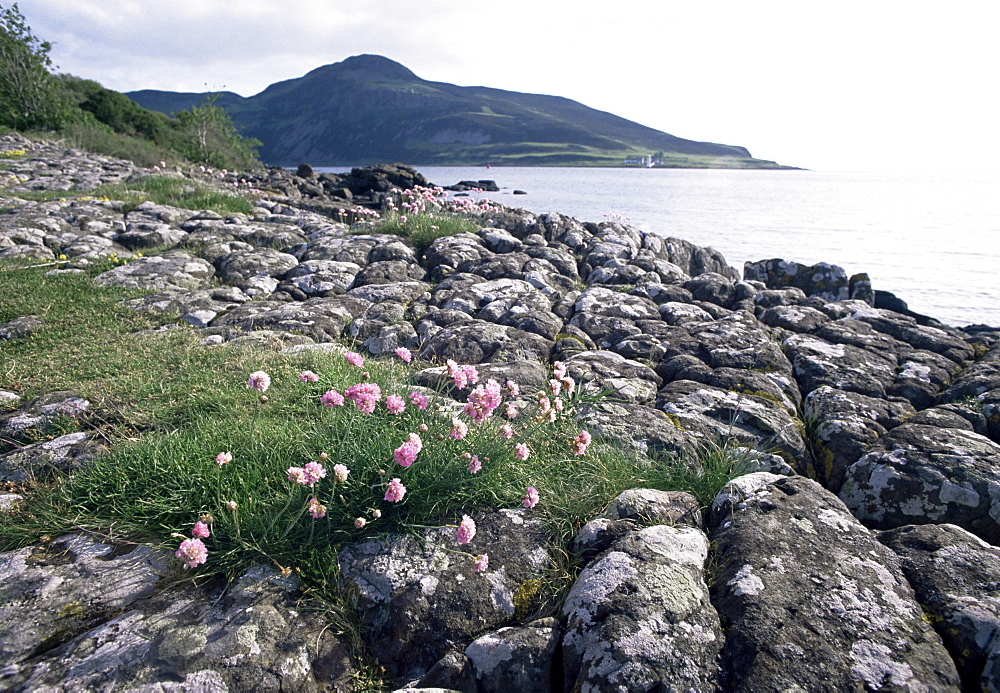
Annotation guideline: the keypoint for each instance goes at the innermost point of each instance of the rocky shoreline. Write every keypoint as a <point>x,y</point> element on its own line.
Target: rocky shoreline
<point>861,555</point>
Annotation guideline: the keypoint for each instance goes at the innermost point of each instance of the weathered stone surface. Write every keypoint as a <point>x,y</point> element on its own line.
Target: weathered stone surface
<point>824,280</point>
<point>63,454</point>
<point>250,637</point>
<point>478,341</point>
<point>738,341</point>
<point>41,413</point>
<point>813,602</point>
<point>794,318</point>
<point>841,366</point>
<point>418,598</point>
<point>648,430</point>
<point>920,474</point>
<point>19,328</point>
<point>515,659</point>
<point>955,576</point>
<point>639,617</point>
<point>322,319</point>
<point>173,270</point>
<point>605,371</point>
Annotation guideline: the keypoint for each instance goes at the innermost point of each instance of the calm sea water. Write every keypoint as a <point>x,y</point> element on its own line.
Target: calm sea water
<point>932,239</point>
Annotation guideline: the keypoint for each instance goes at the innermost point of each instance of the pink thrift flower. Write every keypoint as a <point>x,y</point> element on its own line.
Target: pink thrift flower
<point>422,428</point>
<point>420,401</point>
<point>395,491</point>
<point>459,429</point>
<point>365,396</point>
<point>340,473</point>
<point>316,509</point>
<point>259,380</point>
<point>513,389</point>
<point>555,386</point>
<point>521,451</point>
<point>192,552</point>
<point>308,377</point>
<point>332,398</point>
<point>569,385</point>
<point>580,443</point>
<point>296,475</point>
<point>405,354</point>
<point>395,404</point>
<point>530,497</point>
<point>200,530</point>
<point>506,431</point>
<point>355,359</point>
<point>462,376</point>
<point>483,401</point>
<point>511,412</point>
<point>223,458</point>
<point>474,464</point>
<point>360,522</point>
<point>482,562</point>
<point>232,506</point>
<point>466,530</point>
<point>313,472</point>
<point>558,369</point>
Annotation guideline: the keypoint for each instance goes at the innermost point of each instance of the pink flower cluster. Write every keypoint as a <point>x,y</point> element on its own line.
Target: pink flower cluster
<point>259,380</point>
<point>406,454</point>
<point>223,458</point>
<point>192,552</point>
<point>481,563</point>
<point>475,465</point>
<point>200,530</point>
<point>530,497</point>
<point>308,377</point>
<point>365,396</point>
<point>316,509</point>
<point>579,444</point>
<point>340,473</point>
<point>355,359</point>
<point>395,491</point>
<point>483,401</point>
<point>332,398</point>
<point>466,530</point>
<point>521,451</point>
<point>419,400</point>
<point>308,475</point>
<point>462,376</point>
<point>395,404</point>
<point>459,429</point>
<point>405,354</point>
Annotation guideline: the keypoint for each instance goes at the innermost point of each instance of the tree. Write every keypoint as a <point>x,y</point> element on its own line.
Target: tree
<point>28,96</point>
<point>212,137</point>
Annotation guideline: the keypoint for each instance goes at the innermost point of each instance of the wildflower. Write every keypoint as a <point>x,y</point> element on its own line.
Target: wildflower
<point>355,359</point>
<point>559,370</point>
<point>223,458</point>
<point>513,389</point>
<point>259,380</point>
<point>405,354</point>
<point>395,491</point>
<point>506,431</point>
<point>511,412</point>
<point>232,506</point>
<point>462,376</point>
<point>308,377</point>
<point>483,401</point>
<point>474,464</point>
<point>200,530</point>
<point>192,552</point>
<point>419,400</point>
<point>580,443</point>
<point>296,475</point>
<point>376,513</point>
<point>340,473</point>
<point>395,404</point>
<point>313,472</point>
<point>365,396</point>
<point>332,398</point>
<point>459,429</point>
<point>406,454</point>
<point>482,562</point>
<point>555,386</point>
<point>316,509</point>
<point>569,385</point>
<point>323,457</point>
<point>530,497</point>
<point>360,522</point>
<point>422,428</point>
<point>521,451</point>
<point>466,530</point>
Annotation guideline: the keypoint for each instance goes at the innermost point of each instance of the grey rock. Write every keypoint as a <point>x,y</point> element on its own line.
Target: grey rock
<point>955,576</point>
<point>604,371</point>
<point>514,658</point>
<point>322,319</point>
<point>65,454</point>
<point>41,413</point>
<point>478,341</point>
<point>174,270</point>
<point>639,617</point>
<point>19,328</point>
<point>801,617</point>
<point>824,280</point>
<point>841,366</point>
<point>920,474</point>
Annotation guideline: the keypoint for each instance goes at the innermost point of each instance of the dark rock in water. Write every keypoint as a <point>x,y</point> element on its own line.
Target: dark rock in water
<point>382,178</point>
<point>843,619</point>
<point>467,185</point>
<point>955,576</point>
<point>520,192</point>
<point>304,171</point>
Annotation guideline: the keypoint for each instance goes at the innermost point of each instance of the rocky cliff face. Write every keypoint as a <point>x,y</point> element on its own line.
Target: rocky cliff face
<point>860,556</point>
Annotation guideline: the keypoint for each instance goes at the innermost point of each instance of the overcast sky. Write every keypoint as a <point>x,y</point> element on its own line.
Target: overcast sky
<point>873,85</point>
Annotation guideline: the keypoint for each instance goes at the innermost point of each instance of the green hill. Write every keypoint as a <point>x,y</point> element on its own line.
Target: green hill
<point>370,109</point>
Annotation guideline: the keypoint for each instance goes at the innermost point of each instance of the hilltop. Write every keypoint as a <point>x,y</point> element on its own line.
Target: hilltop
<point>369,109</point>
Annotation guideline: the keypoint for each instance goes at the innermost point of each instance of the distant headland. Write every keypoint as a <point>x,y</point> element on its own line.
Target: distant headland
<point>369,109</point>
